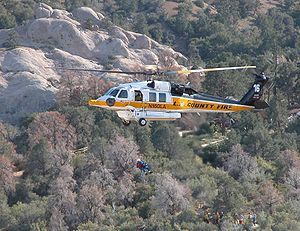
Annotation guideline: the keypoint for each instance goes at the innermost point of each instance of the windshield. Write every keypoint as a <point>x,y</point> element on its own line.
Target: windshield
<point>114,92</point>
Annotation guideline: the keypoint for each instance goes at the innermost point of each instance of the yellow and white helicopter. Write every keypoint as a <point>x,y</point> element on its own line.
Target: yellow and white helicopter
<point>162,100</point>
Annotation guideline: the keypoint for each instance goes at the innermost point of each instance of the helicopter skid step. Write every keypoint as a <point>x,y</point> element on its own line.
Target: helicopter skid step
<point>148,115</point>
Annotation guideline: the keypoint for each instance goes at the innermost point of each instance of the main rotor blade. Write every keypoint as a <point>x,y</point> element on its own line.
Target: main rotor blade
<point>110,71</point>
<point>158,72</point>
<point>213,69</point>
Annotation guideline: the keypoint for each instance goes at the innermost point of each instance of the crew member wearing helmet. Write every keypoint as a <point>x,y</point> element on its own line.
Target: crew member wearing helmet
<point>143,166</point>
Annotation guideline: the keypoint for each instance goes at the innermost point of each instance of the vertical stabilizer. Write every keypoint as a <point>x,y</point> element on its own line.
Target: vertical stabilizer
<point>253,96</point>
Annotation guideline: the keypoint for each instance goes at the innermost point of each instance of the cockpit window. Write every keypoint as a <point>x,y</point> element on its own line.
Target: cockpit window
<point>114,92</point>
<point>123,94</point>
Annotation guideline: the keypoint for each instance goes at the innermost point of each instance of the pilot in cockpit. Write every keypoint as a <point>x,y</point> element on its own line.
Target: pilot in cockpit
<point>138,96</point>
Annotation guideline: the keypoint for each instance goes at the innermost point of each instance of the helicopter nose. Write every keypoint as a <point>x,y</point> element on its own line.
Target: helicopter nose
<point>92,102</point>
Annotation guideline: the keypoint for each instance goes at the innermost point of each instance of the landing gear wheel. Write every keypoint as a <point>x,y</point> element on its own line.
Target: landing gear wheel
<point>126,122</point>
<point>142,122</point>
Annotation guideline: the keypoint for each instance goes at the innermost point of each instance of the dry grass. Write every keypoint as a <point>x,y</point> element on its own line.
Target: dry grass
<point>263,9</point>
<point>171,8</point>
<point>268,4</point>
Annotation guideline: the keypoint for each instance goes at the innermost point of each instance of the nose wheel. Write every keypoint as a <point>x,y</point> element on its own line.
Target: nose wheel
<point>142,122</point>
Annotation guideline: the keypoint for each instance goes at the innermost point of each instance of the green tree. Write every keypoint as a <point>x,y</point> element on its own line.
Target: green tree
<point>230,197</point>
<point>25,215</point>
<point>286,82</point>
<point>72,4</point>
<point>7,20</point>
<point>143,139</point>
<point>7,166</point>
<point>6,219</point>
<point>268,33</point>
<point>248,7</point>
<point>57,221</point>
<point>278,112</point>
<point>165,138</point>
<point>90,201</point>
<point>241,166</point>
<point>21,10</point>
<point>61,201</point>
<point>121,155</point>
<point>54,127</point>
<point>170,196</point>
<point>180,23</point>
<point>13,40</point>
<point>89,226</point>
<point>127,6</point>
<point>228,11</point>
<point>36,167</point>
<point>141,25</point>
<point>204,189</point>
<point>269,197</point>
<point>83,120</point>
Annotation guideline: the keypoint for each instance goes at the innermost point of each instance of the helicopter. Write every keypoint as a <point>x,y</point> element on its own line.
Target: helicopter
<point>155,100</point>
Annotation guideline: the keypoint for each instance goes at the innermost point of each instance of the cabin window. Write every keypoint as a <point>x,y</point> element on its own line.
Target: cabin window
<point>138,96</point>
<point>152,97</point>
<point>114,92</point>
<point>123,94</point>
<point>162,97</point>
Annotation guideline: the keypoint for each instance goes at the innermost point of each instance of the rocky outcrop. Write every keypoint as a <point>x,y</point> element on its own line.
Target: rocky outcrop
<point>55,37</point>
<point>142,42</point>
<point>86,15</point>
<point>43,11</point>
<point>26,87</point>
<point>62,34</point>
<point>111,47</point>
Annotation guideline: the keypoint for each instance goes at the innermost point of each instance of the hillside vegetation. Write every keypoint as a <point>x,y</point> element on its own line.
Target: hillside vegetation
<point>72,167</point>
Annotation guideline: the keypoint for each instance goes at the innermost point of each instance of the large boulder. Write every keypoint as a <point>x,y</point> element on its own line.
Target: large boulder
<point>65,15</point>
<point>4,36</point>
<point>131,36</point>
<point>147,57</point>
<point>25,83</point>
<point>3,81</point>
<point>24,95</point>
<point>110,48</point>
<point>65,59</point>
<point>117,32</point>
<point>86,15</point>
<point>43,11</point>
<point>26,59</point>
<point>62,34</point>
<point>127,64</point>
<point>142,42</point>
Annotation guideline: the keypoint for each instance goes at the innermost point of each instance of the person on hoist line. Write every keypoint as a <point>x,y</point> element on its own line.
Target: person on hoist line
<point>143,166</point>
